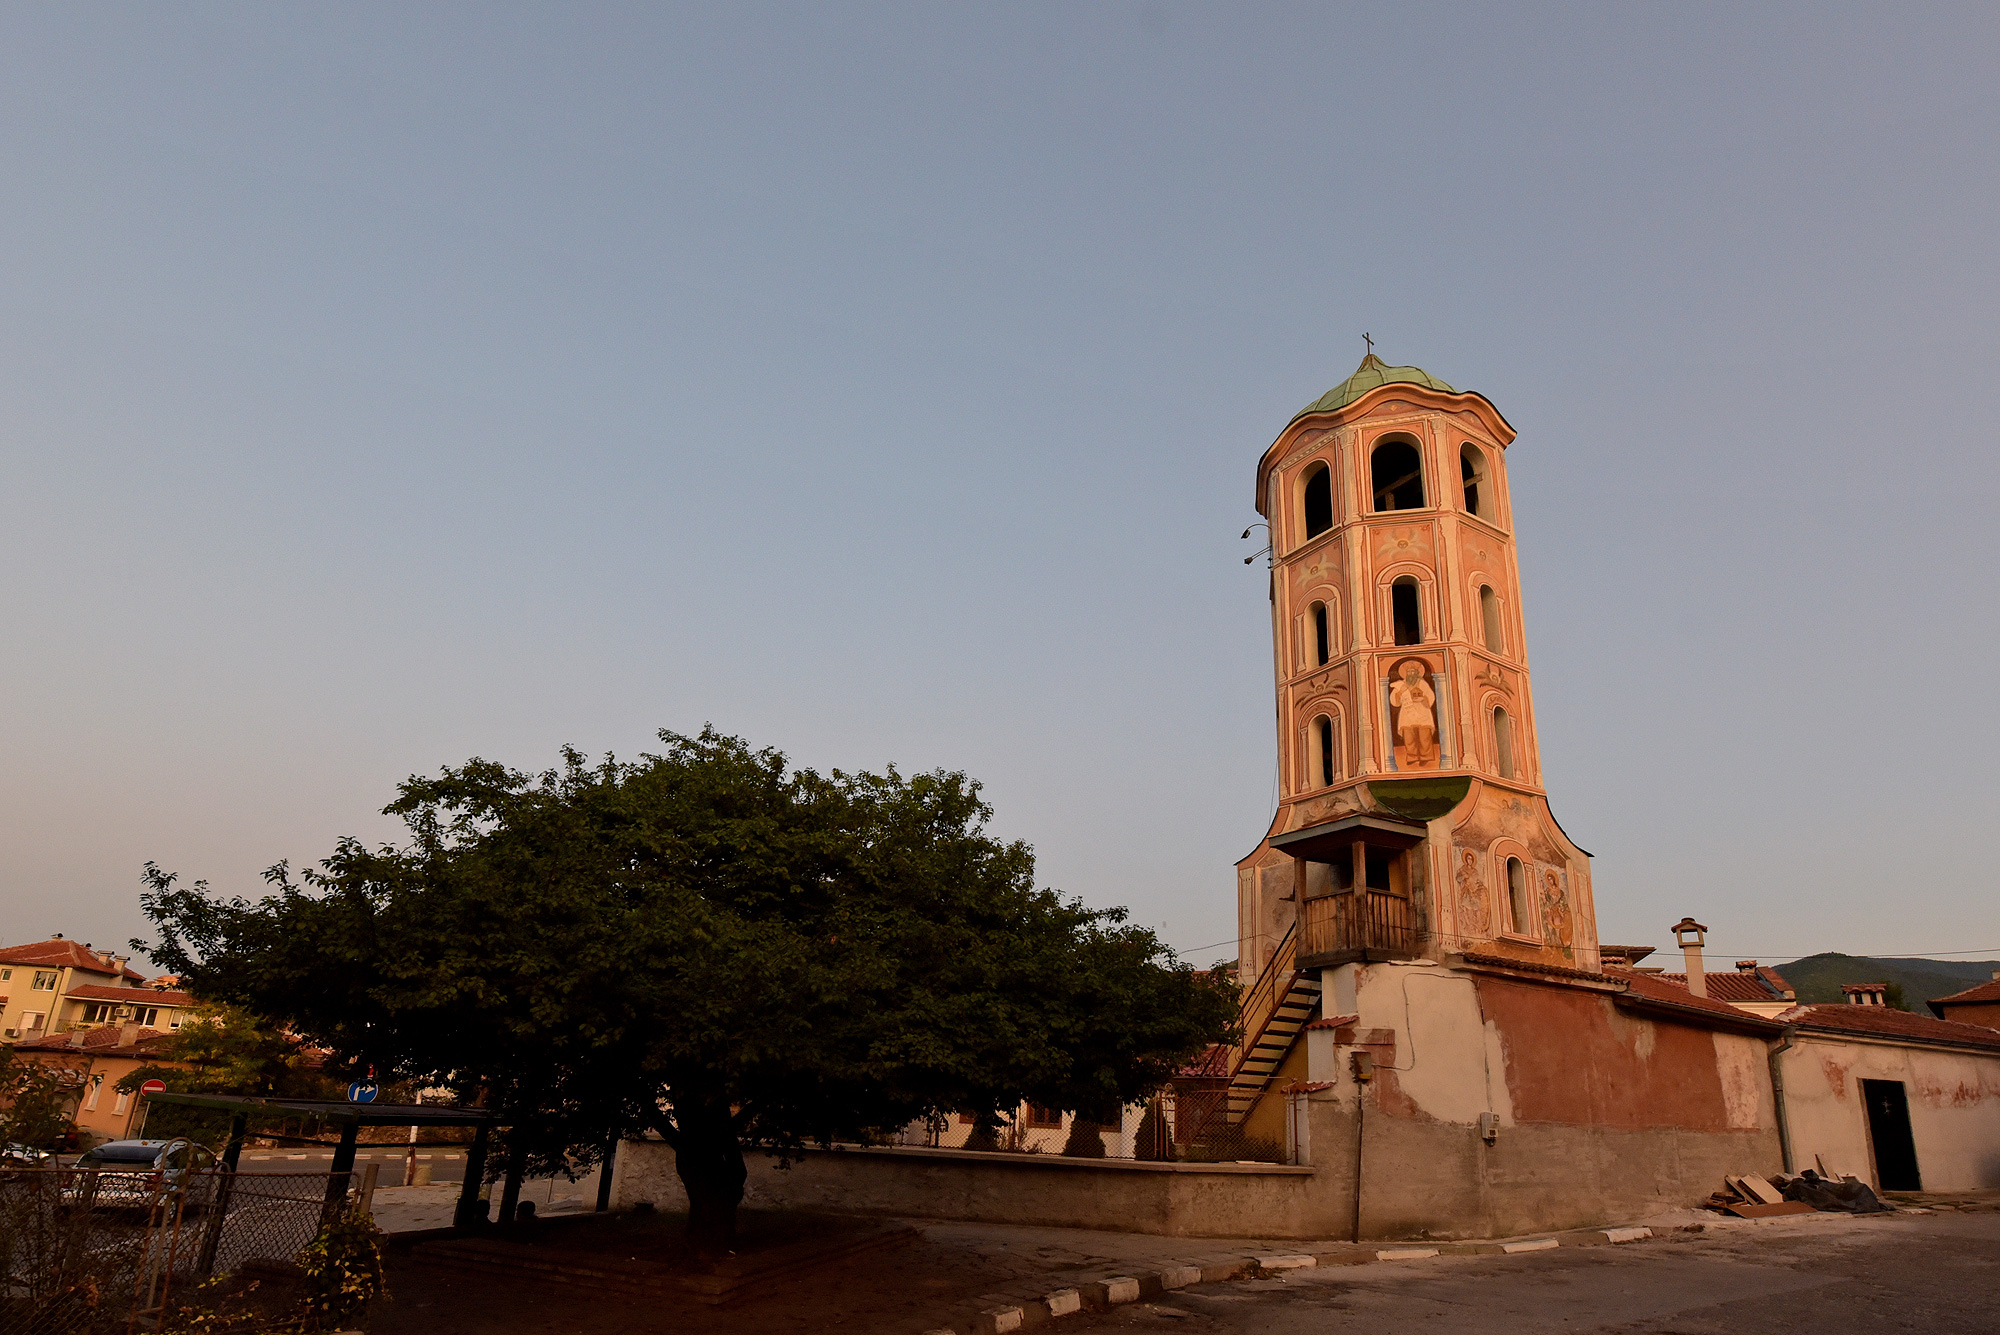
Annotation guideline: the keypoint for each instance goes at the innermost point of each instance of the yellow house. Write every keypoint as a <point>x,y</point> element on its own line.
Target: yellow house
<point>58,985</point>
<point>95,1061</point>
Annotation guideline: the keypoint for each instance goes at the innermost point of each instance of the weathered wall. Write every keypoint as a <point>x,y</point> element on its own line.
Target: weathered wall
<point>1601,1115</point>
<point>1954,1108</point>
<point>1194,1200</point>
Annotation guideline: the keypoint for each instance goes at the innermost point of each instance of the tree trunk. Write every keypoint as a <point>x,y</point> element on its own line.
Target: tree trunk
<point>710,1163</point>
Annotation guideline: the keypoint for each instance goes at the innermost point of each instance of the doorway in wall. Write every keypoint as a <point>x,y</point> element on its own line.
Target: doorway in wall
<point>1889,1132</point>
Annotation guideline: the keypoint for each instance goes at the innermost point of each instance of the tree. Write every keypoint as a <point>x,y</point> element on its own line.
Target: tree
<point>707,943</point>
<point>37,1102</point>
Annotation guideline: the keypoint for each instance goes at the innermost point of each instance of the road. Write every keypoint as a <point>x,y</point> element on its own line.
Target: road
<point>445,1165</point>
<point>1932,1274</point>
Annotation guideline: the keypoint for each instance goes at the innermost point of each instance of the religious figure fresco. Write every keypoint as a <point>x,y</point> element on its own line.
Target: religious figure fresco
<point>1555,910</point>
<point>1416,719</point>
<point>1475,918</point>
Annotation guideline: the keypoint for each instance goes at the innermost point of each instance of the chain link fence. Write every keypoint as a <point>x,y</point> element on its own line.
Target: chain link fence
<point>1176,1126</point>
<point>97,1252</point>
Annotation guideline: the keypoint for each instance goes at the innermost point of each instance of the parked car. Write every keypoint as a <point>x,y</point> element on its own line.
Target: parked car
<point>133,1173</point>
<point>25,1156</point>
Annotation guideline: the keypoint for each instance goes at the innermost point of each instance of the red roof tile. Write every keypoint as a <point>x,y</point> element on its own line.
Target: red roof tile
<point>1214,1062</point>
<point>104,1041</point>
<point>131,996</point>
<point>1333,1022</point>
<point>1654,987</point>
<point>1984,992</point>
<point>1888,1022</point>
<point>57,952</point>
<point>1730,986</point>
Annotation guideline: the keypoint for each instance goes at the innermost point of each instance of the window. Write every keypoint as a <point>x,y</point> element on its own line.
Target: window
<point>1322,639</point>
<point>1044,1118</point>
<point>1398,476</point>
<point>97,1012</point>
<point>146,1015</point>
<point>6,974</point>
<point>1319,501</point>
<point>1472,481</point>
<point>1489,616</point>
<point>45,981</point>
<point>124,1102</point>
<point>32,1021</point>
<point>1378,871</point>
<point>1409,621</point>
<point>1323,766</point>
<point>1503,743</point>
<point>1517,897</point>
<point>96,1088</point>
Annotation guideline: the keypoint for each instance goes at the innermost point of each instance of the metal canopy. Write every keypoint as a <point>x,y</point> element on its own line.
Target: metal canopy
<point>334,1110</point>
<point>351,1117</point>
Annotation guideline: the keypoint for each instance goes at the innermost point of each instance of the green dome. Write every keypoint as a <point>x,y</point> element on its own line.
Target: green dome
<point>1374,372</point>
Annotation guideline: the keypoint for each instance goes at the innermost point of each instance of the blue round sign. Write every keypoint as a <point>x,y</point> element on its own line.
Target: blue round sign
<point>362,1091</point>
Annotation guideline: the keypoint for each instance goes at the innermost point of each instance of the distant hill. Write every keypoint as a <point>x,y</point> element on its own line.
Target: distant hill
<point>1818,977</point>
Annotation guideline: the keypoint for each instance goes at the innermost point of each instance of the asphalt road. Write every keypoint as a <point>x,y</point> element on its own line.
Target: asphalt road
<point>1931,1274</point>
<point>445,1165</point>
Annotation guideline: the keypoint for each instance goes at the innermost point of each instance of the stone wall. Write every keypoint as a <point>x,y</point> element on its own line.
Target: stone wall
<point>1192,1200</point>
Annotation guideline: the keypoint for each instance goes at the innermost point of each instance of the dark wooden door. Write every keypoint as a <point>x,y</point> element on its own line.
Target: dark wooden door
<point>1889,1132</point>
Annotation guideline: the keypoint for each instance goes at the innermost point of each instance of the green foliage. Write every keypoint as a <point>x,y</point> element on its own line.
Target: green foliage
<point>782,956</point>
<point>37,1101</point>
<point>343,1268</point>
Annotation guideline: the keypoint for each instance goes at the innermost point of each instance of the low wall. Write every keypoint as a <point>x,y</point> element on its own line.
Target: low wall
<point>1178,1199</point>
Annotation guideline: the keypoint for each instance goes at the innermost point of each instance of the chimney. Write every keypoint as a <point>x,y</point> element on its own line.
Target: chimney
<point>1690,935</point>
<point>128,1034</point>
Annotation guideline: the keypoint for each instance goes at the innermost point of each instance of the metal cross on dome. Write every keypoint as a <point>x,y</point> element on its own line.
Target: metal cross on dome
<point>1368,343</point>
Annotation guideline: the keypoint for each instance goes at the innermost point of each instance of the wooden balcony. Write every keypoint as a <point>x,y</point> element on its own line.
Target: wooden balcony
<point>1360,925</point>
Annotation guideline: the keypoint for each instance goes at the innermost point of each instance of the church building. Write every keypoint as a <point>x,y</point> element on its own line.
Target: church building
<point>1423,984</point>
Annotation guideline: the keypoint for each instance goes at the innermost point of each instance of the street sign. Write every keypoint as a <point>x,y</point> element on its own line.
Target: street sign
<point>153,1087</point>
<point>362,1091</point>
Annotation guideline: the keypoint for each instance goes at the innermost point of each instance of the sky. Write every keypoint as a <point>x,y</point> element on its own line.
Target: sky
<point>387,385</point>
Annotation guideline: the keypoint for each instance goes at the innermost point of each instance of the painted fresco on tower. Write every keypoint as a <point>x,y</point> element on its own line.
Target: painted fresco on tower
<point>1413,715</point>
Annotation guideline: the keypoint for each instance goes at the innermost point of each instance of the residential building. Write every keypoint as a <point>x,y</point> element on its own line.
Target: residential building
<point>1976,1005</point>
<point>59,985</point>
<point>96,1060</point>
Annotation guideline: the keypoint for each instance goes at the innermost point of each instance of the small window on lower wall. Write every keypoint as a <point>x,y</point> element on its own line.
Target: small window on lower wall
<point>1517,897</point>
<point>1045,1118</point>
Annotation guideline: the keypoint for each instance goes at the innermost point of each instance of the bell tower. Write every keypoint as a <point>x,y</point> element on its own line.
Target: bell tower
<point>1411,820</point>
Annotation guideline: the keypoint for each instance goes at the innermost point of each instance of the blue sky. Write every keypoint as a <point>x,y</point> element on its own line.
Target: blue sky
<point>386,385</point>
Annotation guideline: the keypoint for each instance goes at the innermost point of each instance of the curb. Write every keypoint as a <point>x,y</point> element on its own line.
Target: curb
<point>1000,1314</point>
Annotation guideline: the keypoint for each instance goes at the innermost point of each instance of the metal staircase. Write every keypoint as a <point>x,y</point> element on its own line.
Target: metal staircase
<point>1273,1013</point>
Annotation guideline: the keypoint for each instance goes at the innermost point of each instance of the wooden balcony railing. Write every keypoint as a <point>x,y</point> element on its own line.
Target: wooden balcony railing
<point>1388,924</point>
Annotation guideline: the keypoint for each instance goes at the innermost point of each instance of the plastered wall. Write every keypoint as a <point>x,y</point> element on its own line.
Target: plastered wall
<point>1954,1100</point>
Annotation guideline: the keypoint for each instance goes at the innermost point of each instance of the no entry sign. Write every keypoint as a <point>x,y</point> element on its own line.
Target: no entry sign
<point>153,1087</point>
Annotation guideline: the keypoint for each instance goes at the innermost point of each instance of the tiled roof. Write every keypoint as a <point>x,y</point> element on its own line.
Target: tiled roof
<point>58,951</point>
<point>1888,1022</point>
<point>1739,986</point>
<point>1333,1022</point>
<point>1984,992</point>
<point>131,996</point>
<point>1214,1062</point>
<point>1654,987</point>
<point>105,1041</point>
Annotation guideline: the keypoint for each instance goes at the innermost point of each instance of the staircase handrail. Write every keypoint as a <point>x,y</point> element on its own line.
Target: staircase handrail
<point>1261,1001</point>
